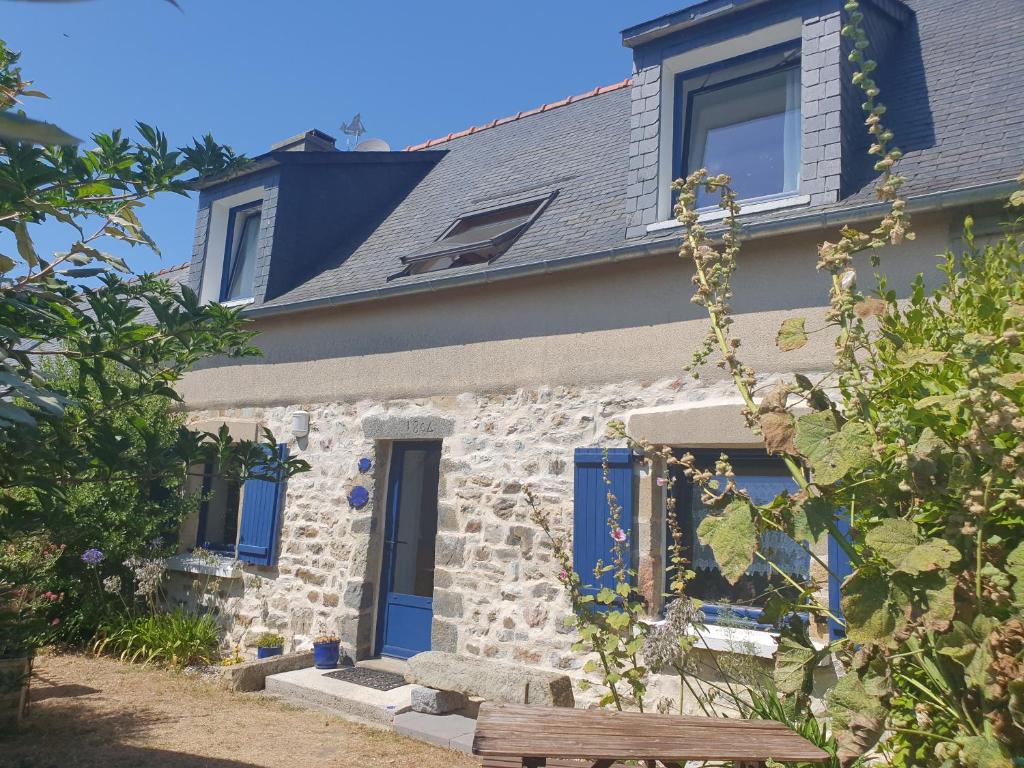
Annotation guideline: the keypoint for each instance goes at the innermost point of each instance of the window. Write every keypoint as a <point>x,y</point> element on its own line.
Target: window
<point>764,478</point>
<point>475,238</point>
<point>218,514</point>
<point>743,118</point>
<point>240,253</point>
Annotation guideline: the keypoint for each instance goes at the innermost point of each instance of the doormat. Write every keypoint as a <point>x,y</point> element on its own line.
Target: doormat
<point>369,678</point>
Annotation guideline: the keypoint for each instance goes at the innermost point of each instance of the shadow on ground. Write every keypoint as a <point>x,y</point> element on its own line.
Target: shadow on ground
<point>122,756</point>
<point>63,734</point>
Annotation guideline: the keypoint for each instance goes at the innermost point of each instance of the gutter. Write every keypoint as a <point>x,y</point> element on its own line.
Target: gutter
<point>933,201</point>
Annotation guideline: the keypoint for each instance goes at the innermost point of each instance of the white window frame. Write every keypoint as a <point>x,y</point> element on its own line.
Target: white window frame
<point>696,58</point>
<point>215,255</point>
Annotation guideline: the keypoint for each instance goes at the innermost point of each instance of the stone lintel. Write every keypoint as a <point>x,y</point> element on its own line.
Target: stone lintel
<point>696,425</point>
<point>411,427</point>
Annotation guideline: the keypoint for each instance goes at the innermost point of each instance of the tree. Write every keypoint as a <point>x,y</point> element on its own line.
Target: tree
<point>89,352</point>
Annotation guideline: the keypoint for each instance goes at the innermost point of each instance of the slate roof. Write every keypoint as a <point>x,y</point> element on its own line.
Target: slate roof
<point>578,150</point>
<point>963,112</point>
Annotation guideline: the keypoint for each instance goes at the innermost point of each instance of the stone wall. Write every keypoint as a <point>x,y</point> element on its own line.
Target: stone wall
<point>495,590</point>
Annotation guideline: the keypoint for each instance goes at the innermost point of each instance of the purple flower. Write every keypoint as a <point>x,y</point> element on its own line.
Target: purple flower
<point>92,557</point>
<point>619,535</point>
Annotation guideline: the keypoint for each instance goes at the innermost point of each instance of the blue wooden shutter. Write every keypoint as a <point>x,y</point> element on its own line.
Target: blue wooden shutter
<point>591,537</point>
<point>839,565</point>
<point>261,514</point>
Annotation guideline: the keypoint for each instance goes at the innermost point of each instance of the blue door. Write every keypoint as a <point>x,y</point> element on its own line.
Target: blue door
<point>407,572</point>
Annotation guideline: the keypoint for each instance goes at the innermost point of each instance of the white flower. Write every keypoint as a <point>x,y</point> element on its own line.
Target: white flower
<point>848,279</point>
<point>112,584</point>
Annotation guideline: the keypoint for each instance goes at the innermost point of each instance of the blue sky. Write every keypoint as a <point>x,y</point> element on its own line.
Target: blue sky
<point>256,71</point>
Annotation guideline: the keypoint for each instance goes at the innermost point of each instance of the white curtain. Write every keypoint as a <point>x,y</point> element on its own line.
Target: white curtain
<point>776,546</point>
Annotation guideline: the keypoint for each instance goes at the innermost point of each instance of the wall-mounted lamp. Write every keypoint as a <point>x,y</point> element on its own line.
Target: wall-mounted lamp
<point>300,423</point>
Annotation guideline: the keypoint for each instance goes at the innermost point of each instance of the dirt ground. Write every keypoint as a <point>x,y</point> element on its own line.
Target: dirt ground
<point>90,711</point>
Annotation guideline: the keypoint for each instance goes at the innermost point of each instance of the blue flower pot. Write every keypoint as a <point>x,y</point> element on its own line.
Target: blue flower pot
<point>266,653</point>
<point>325,655</point>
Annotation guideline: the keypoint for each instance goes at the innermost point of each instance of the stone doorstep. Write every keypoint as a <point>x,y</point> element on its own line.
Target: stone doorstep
<point>311,688</point>
<point>451,731</point>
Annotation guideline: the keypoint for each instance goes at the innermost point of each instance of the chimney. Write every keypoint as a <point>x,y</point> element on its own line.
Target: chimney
<point>313,140</point>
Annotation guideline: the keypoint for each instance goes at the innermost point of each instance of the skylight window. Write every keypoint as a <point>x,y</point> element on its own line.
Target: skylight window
<point>475,238</point>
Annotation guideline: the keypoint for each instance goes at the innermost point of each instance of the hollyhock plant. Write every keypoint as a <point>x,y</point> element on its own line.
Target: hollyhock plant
<point>619,535</point>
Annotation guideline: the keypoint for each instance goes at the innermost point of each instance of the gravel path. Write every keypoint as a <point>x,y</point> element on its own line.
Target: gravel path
<point>90,711</point>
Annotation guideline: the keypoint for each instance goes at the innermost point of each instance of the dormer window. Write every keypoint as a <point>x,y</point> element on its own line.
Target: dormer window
<point>238,278</point>
<point>475,238</point>
<point>742,117</point>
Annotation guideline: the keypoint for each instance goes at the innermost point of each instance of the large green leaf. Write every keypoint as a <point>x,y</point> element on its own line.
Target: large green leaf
<point>923,459</point>
<point>857,717</point>
<point>732,537</point>
<point>941,606</point>
<point>983,752</point>
<point>867,607</point>
<point>811,518</point>
<point>895,541</point>
<point>794,666</point>
<point>792,334</point>
<point>832,452</point>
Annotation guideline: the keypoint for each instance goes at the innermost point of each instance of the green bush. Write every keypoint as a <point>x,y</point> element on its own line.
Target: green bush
<point>177,638</point>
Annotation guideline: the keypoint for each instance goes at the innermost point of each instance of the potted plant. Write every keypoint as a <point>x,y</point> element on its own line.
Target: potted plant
<point>269,644</point>
<point>25,622</point>
<point>326,648</point>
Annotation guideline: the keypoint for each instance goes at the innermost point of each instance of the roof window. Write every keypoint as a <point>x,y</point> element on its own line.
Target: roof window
<point>475,238</point>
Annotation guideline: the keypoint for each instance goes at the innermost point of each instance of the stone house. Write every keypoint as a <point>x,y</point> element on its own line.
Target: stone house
<point>447,325</point>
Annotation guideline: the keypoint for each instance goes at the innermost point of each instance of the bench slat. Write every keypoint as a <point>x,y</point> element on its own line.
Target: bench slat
<point>514,731</point>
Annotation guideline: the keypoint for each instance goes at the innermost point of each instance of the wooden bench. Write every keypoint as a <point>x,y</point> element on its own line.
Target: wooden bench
<point>516,736</point>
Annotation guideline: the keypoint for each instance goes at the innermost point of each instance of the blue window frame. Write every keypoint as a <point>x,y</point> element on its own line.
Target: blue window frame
<point>764,477</point>
<point>742,117</point>
<point>241,244</point>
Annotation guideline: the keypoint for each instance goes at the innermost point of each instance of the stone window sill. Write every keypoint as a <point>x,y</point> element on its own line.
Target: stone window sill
<point>754,206</point>
<point>221,567</point>
<point>739,640</point>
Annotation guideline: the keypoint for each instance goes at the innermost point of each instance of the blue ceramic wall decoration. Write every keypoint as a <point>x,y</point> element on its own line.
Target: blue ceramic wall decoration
<point>358,497</point>
<point>365,464</point>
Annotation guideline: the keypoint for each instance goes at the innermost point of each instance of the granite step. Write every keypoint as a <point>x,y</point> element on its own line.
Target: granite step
<point>311,687</point>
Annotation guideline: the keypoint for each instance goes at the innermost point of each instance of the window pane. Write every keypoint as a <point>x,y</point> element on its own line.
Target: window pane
<point>219,531</point>
<point>750,130</point>
<point>763,479</point>
<point>243,261</point>
<point>416,528</point>
<point>485,226</point>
